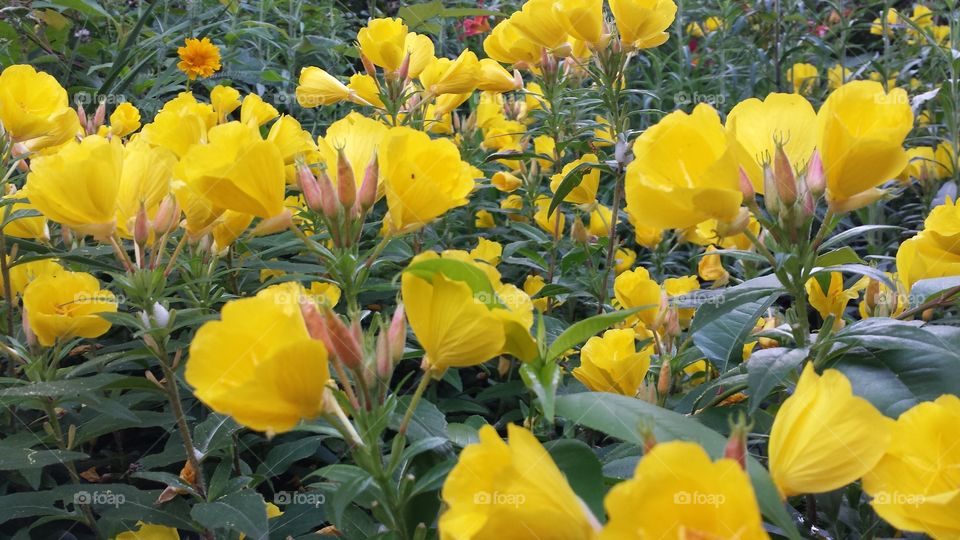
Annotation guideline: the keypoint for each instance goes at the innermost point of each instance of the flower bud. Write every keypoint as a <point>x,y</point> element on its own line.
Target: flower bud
<point>310,188</point>
<point>785,179</point>
<point>368,66</point>
<point>82,115</point>
<point>98,117</point>
<point>771,201</point>
<point>28,334</point>
<point>404,70</point>
<point>328,197</point>
<point>664,382</point>
<point>384,361</point>
<point>342,341</point>
<point>275,224</point>
<point>816,178</point>
<point>141,227</point>
<point>579,232</point>
<point>368,188</point>
<point>168,215</point>
<point>746,186</point>
<point>313,320</point>
<point>346,184</point>
<point>397,334</point>
<point>736,448</point>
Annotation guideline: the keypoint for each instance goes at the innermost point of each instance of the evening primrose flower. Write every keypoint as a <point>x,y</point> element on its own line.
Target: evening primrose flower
<point>78,185</point>
<point>507,44</point>
<point>532,285</point>
<point>445,76</point>
<point>612,363</point>
<point>21,274</point>
<point>258,363</point>
<point>366,88</point>
<point>421,51</point>
<point>181,123</point>
<point>492,77</point>
<point>540,23</point>
<point>487,251</point>
<point>506,182</point>
<point>34,109</point>
<point>824,437</point>
<point>423,178</point>
<point>710,267</point>
<point>624,260</point>
<point>832,301</point>
<point>224,101</point>
<point>861,132</point>
<point>317,87</point>
<point>935,251</point>
<point>144,183</point>
<point>124,120</point>
<point>147,531</point>
<point>678,492</point>
<point>484,220</point>
<point>685,171</point>
<point>601,218</point>
<point>914,486</point>
<point>635,288</point>
<point>65,305</point>
<point>553,224</point>
<point>33,227</point>
<point>583,19</point>
<point>383,42</point>
<point>198,58</point>
<point>643,23</point>
<point>837,76</point>
<point>586,191</point>
<point>359,137</point>
<point>892,17</point>
<point>498,489</point>
<point>803,76</point>
<point>254,111</point>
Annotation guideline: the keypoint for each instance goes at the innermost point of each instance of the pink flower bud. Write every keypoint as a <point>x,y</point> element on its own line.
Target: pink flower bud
<point>384,361</point>
<point>342,341</point>
<point>310,188</point>
<point>746,186</point>
<point>31,338</point>
<point>141,227</point>
<point>736,448</point>
<point>168,215</point>
<point>816,178</point>
<point>368,189</point>
<point>346,184</point>
<point>368,66</point>
<point>328,197</point>
<point>785,179</point>
<point>82,115</point>
<point>397,334</point>
<point>313,320</point>
<point>404,70</point>
<point>99,116</point>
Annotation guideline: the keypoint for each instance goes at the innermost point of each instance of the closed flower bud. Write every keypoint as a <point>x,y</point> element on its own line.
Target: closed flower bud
<point>816,177</point>
<point>746,186</point>
<point>856,202</point>
<point>384,362</point>
<point>342,341</point>
<point>141,227</point>
<point>578,232</point>
<point>736,448</point>
<point>98,117</point>
<point>346,184</point>
<point>665,381</point>
<point>168,215</point>
<point>28,334</point>
<point>397,334</point>
<point>328,197</point>
<point>310,188</point>
<point>314,321</point>
<point>771,200</point>
<point>274,224</point>
<point>367,195</point>
<point>783,176</point>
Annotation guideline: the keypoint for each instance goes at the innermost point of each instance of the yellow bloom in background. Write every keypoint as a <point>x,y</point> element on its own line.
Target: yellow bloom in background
<point>612,363</point>
<point>541,24</point>
<point>293,142</point>
<point>893,19</point>
<point>124,120</point>
<point>648,237</point>
<point>366,88</point>
<point>514,203</point>
<point>862,129</point>
<point>258,364</point>
<point>546,145</point>
<point>678,492</point>
<point>78,185</point>
<point>603,134</point>
<point>423,178</point>
<point>146,531</point>
<point>915,485</point>
<point>804,77</point>
<point>198,58</point>
<point>625,258</point>
<point>445,76</point>
<point>532,285</point>
<point>317,87</point>
<point>508,45</point>
<point>635,288</point>
<point>824,437</point>
<point>712,24</point>
<point>502,490</point>
<point>505,181</point>
<point>555,223</point>
<point>921,165</point>
<point>684,172</point>
<point>254,111</point>
<point>493,77</point>
<point>837,76</point>
<point>34,109</point>
<point>676,289</point>
<point>224,101</point>
<point>758,125</point>
<point>180,124</point>
<point>65,305</point>
<point>879,300</point>
<point>600,220</point>
<point>583,19</point>
<point>935,251</point>
<point>34,227</point>
<point>586,191</point>
<point>643,23</point>
<point>487,251</point>
<point>323,293</point>
<point>21,274</point>
<point>710,267</point>
<point>832,301</point>
<point>383,42</point>
<point>484,220</point>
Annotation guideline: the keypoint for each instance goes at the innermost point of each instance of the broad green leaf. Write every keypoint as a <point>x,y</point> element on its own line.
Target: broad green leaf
<point>844,255</point>
<point>583,471</point>
<point>621,417</point>
<point>456,270</point>
<point>214,433</point>
<point>722,339</point>
<point>769,368</point>
<point>244,512</point>
<point>12,459</point>
<point>543,382</point>
<point>581,331</point>
<point>927,289</point>
<point>849,234</point>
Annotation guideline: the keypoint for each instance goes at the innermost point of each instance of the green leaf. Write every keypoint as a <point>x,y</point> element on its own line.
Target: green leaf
<point>715,304</point>
<point>543,382</point>
<point>214,433</point>
<point>583,471</point>
<point>427,420</point>
<point>860,269</point>
<point>581,331</point>
<point>844,255</point>
<point>769,368</point>
<point>926,289</point>
<point>456,270</point>
<point>571,180</point>
<point>722,339</point>
<point>416,15</point>
<point>849,234</point>
<point>244,512</point>
<point>621,417</point>
<point>13,458</point>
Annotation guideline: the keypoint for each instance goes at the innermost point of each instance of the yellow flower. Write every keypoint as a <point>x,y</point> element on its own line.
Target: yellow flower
<point>583,19</point>
<point>366,88</point>
<point>198,58</point>
<point>323,293</point>
<point>678,287</point>
<point>834,300</point>
<point>258,363</point>
<point>146,531</point>
<point>505,181</point>
<point>515,204</point>
<point>823,436</point>
<point>677,492</point>
<point>21,274</point>
<point>648,237</point>
<point>612,364</point>
<point>65,305</point>
<point>586,191</point>
<point>423,178</point>
<point>499,490</point>
<point>635,288</point>
<point>861,141</point>
<point>144,182</point>
<point>710,267</point>
<point>124,120</point>
<point>180,124</point>
<point>803,77</point>
<point>915,484</point>
<point>837,76</point>
<point>643,23</point>
<point>600,220</point>
<point>532,285</point>
<point>317,87</point>
<point>445,76</point>
<point>555,223</point>
<point>758,125</point>
<point>603,134</point>
<point>359,137</point>
<point>256,112</point>
<point>893,19</point>
<point>293,142</point>
<point>493,77</point>
<point>540,23</point>
<point>935,251</point>
<point>684,172</point>
<point>238,171</point>
<point>484,220</point>
<point>421,51</point>
<point>78,185</point>
<point>34,227</point>
<point>879,300</point>
<point>487,251</point>
<point>34,109</point>
<point>508,45</point>
<point>624,260</point>
<point>224,101</point>
<point>712,24</point>
<point>383,42</point>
